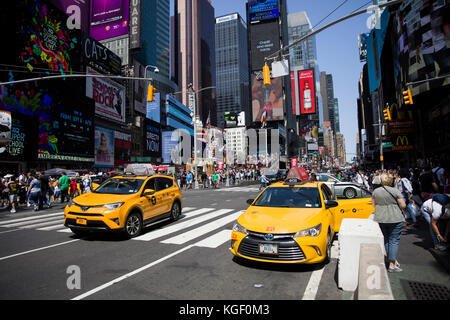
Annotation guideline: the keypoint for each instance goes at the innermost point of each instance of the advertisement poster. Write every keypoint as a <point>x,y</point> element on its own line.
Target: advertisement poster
<point>264,40</point>
<point>109,97</point>
<point>262,10</point>
<point>152,139</point>
<point>122,148</point>
<point>5,129</point>
<point>267,101</point>
<point>154,108</point>
<point>104,148</point>
<point>109,19</point>
<point>168,145</point>
<point>306,91</point>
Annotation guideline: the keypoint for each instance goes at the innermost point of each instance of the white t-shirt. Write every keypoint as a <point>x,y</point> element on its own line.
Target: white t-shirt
<point>435,209</point>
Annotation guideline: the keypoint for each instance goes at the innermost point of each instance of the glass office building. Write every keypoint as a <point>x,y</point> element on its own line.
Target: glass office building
<point>231,66</point>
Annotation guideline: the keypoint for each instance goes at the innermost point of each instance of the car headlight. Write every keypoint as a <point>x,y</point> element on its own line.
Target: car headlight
<point>311,232</point>
<point>238,228</point>
<point>113,206</point>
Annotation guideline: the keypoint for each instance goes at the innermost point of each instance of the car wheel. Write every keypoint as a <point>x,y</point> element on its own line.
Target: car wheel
<point>349,193</point>
<point>175,212</point>
<point>133,225</point>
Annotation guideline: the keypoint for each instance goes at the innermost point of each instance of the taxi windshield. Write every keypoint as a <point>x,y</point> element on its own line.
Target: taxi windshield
<point>120,186</point>
<point>291,197</point>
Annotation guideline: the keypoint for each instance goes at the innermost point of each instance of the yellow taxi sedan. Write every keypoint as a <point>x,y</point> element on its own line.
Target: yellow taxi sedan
<point>125,203</point>
<point>289,222</point>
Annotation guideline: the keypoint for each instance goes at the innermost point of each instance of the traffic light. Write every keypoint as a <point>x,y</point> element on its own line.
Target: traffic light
<point>407,97</point>
<point>387,114</point>
<point>266,75</point>
<point>151,93</point>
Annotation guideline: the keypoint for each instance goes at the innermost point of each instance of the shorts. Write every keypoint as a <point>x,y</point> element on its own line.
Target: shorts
<point>13,198</point>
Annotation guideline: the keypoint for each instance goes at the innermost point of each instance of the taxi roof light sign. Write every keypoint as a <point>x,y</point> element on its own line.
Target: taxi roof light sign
<point>140,169</point>
<point>296,176</point>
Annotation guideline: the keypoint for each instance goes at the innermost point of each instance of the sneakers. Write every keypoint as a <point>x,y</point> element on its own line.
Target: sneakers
<point>395,269</point>
<point>440,247</point>
<point>13,211</point>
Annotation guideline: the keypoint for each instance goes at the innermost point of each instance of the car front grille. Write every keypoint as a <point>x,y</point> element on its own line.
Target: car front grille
<point>288,249</point>
<point>90,224</point>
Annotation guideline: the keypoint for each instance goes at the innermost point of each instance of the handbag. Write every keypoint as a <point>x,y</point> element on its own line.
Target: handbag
<point>395,200</point>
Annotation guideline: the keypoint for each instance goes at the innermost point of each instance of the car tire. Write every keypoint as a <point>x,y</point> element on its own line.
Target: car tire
<point>349,193</point>
<point>175,212</point>
<point>133,225</point>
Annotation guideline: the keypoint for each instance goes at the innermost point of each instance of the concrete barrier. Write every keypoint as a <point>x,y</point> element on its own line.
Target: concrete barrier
<point>373,281</point>
<point>352,234</point>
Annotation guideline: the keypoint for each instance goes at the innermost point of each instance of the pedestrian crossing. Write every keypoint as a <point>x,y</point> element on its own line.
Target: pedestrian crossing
<point>193,224</point>
<point>239,189</point>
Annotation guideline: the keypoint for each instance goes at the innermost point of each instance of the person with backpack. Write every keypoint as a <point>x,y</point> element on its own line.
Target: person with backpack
<point>428,184</point>
<point>439,176</point>
<point>404,186</point>
<point>87,184</point>
<point>434,210</point>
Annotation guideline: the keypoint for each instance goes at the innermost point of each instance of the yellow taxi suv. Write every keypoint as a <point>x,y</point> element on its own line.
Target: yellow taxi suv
<point>290,222</point>
<point>126,203</point>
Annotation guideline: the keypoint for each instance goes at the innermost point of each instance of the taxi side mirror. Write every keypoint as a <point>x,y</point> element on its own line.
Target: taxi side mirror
<point>250,201</point>
<point>148,192</point>
<point>331,204</point>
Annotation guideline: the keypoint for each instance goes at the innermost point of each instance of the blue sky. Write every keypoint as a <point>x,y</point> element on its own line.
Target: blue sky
<point>337,51</point>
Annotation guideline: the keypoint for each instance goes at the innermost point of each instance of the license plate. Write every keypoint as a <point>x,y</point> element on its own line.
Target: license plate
<point>82,221</point>
<point>268,248</point>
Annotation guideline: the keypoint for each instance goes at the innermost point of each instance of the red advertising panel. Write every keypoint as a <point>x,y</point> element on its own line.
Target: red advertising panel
<point>294,163</point>
<point>307,91</point>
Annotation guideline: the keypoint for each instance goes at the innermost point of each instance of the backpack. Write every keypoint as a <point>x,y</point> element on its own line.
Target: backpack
<point>442,199</point>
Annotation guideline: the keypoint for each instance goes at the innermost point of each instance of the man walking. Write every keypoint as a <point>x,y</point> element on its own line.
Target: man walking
<point>64,185</point>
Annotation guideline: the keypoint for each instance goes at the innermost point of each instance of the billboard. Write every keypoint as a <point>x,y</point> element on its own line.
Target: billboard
<point>422,47</point>
<point>109,97</point>
<point>99,57</point>
<point>122,148</point>
<point>152,139</point>
<point>362,45</point>
<point>295,109</point>
<point>5,128</point>
<point>154,108</point>
<point>109,19</point>
<point>78,12</point>
<point>267,101</point>
<point>262,10</point>
<point>306,86</point>
<point>264,40</point>
<point>168,145</point>
<point>135,24</point>
<point>104,148</point>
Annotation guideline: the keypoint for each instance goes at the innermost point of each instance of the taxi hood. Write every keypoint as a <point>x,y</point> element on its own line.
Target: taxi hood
<point>280,220</point>
<point>92,198</point>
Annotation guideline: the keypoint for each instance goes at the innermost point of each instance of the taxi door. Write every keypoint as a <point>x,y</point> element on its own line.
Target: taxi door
<point>359,207</point>
<point>164,186</point>
<point>151,204</point>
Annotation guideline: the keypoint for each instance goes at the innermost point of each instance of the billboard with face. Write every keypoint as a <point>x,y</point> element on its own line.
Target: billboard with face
<point>104,148</point>
<point>267,101</point>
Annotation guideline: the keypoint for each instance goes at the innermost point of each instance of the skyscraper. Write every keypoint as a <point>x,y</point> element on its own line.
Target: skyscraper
<point>195,62</point>
<point>231,65</point>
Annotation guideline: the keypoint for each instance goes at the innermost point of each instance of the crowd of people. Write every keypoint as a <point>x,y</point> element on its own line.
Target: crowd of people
<point>215,179</point>
<point>405,198</point>
<point>41,191</point>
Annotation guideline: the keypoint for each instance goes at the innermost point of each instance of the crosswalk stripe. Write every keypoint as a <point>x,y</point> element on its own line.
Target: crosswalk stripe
<point>20,224</point>
<point>65,230</point>
<point>182,225</point>
<point>195,233</point>
<point>52,227</point>
<point>37,225</point>
<point>3,223</point>
<point>215,240</point>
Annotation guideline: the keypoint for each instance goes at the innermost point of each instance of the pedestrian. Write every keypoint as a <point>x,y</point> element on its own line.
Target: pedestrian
<point>389,203</point>
<point>439,175</point>
<point>73,188</point>
<point>13,189</point>
<point>428,184</point>
<point>34,192</point>
<point>87,184</point>
<point>404,186</point>
<point>436,210</point>
<point>263,179</point>
<point>215,179</point>
<point>376,181</point>
<point>45,189</point>
<point>189,177</point>
<point>64,186</point>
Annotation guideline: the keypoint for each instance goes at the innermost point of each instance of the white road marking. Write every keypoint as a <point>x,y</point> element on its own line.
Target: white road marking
<point>313,285</point>
<point>215,240</point>
<point>38,249</point>
<point>6,223</point>
<point>151,235</point>
<point>37,225</point>
<point>195,233</point>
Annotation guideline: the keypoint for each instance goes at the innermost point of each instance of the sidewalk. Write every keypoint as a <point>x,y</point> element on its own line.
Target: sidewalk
<point>426,273</point>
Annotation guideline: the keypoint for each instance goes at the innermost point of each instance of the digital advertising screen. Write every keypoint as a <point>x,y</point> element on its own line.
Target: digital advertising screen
<point>262,10</point>
<point>265,40</point>
<point>306,91</point>
<point>154,108</point>
<point>267,101</point>
<point>104,148</point>
<point>109,19</point>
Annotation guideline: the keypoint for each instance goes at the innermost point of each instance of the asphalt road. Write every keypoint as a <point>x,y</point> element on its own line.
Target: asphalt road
<point>185,260</point>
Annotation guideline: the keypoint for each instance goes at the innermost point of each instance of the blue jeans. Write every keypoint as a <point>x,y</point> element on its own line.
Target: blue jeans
<point>34,198</point>
<point>427,217</point>
<point>391,233</point>
<point>409,207</point>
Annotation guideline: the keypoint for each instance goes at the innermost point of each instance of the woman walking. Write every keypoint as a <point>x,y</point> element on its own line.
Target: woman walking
<point>389,203</point>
